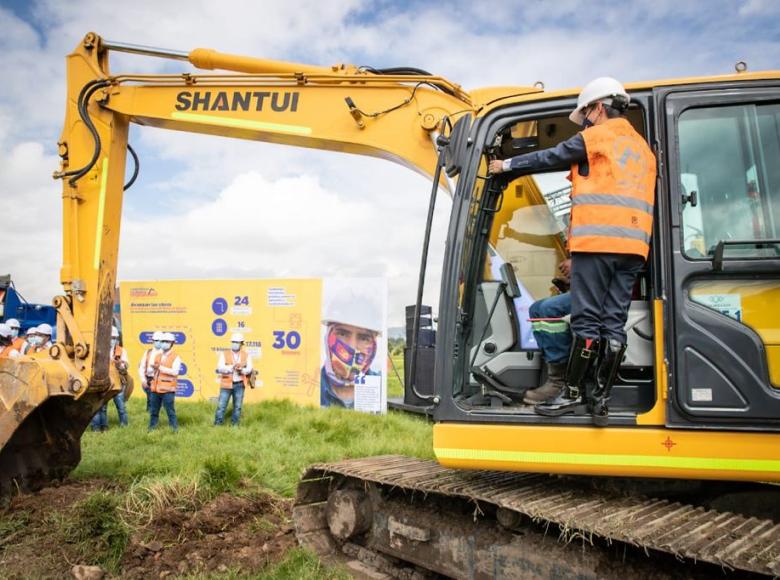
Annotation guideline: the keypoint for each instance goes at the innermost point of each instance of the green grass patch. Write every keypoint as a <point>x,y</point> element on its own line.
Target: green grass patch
<point>299,563</point>
<point>11,524</point>
<point>276,441</point>
<point>95,526</point>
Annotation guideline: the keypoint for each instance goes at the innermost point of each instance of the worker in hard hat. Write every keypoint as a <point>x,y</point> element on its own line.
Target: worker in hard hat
<point>16,327</point>
<point>166,366</point>
<point>353,325</point>
<point>612,170</point>
<point>234,368</point>
<point>7,349</point>
<point>30,338</point>
<point>145,368</point>
<point>120,361</point>
<point>42,339</point>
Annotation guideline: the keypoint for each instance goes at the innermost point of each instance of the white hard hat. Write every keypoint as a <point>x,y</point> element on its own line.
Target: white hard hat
<point>157,335</point>
<point>5,330</point>
<point>12,323</point>
<point>32,330</point>
<point>44,329</point>
<point>168,337</point>
<point>596,90</point>
<point>114,332</point>
<point>362,311</point>
<point>236,337</point>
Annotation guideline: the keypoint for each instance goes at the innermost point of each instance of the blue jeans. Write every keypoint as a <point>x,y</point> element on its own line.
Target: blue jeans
<point>148,393</point>
<point>100,420</point>
<point>553,336</point>
<point>167,400</point>
<point>237,393</point>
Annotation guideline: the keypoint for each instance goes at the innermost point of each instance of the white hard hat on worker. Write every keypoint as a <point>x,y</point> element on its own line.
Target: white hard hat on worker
<point>602,89</point>
<point>44,329</point>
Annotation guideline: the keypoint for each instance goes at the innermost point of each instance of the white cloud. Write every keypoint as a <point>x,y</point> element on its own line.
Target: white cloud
<point>295,227</point>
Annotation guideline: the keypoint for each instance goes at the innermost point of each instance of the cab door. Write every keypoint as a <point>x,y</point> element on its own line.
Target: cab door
<point>720,167</point>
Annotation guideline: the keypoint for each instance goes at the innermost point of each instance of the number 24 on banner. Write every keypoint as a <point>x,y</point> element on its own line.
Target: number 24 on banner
<point>291,340</point>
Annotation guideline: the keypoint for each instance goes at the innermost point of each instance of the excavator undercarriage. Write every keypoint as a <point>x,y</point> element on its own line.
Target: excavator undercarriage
<point>410,518</point>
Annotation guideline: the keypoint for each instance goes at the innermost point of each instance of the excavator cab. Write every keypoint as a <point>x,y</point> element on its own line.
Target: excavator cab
<point>701,367</point>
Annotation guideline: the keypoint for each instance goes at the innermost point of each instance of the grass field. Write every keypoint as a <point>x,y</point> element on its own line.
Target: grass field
<point>148,473</point>
<point>274,443</point>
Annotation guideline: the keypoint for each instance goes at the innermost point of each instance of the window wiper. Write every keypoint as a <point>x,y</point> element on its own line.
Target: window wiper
<point>720,248</point>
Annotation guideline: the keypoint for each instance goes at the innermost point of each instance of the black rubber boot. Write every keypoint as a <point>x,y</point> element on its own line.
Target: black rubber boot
<point>583,354</point>
<point>606,374</point>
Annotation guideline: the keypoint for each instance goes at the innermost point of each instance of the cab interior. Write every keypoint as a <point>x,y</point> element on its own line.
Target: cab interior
<point>517,261</point>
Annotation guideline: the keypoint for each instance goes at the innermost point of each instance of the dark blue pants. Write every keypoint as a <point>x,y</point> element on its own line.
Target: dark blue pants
<point>601,289</point>
<point>167,400</point>
<point>100,420</point>
<point>237,392</point>
<point>552,334</point>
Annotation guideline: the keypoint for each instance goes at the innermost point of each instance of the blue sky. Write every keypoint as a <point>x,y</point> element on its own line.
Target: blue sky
<point>296,199</point>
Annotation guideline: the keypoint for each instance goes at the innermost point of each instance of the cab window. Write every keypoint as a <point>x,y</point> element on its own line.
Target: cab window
<point>730,176</point>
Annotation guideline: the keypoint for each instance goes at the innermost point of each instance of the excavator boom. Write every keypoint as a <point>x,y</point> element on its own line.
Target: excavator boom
<point>47,401</point>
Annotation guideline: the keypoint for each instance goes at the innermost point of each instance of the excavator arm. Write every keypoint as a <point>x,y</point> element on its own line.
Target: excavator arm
<point>47,401</point>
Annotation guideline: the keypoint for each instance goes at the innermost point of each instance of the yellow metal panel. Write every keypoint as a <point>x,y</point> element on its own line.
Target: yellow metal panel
<point>657,415</point>
<point>615,451</point>
<point>760,310</point>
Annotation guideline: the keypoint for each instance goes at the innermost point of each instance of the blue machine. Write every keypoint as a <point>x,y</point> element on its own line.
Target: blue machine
<point>13,305</point>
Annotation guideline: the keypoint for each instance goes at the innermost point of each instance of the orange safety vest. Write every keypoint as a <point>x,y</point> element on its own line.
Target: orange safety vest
<point>18,343</point>
<point>226,381</point>
<point>5,352</point>
<point>612,207</point>
<point>163,382</point>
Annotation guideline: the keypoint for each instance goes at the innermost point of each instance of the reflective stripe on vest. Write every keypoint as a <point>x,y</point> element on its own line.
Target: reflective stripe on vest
<point>6,351</point>
<point>164,382</point>
<point>612,207</point>
<point>226,380</point>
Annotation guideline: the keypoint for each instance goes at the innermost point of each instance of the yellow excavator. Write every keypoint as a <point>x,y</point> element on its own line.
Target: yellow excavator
<point>685,469</point>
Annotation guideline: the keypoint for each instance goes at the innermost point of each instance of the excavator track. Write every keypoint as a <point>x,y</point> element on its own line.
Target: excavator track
<point>409,518</point>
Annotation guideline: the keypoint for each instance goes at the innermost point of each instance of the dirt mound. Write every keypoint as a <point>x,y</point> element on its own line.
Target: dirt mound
<point>229,533</point>
<point>237,533</point>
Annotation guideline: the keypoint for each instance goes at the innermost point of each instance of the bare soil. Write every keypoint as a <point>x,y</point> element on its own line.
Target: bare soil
<point>233,533</point>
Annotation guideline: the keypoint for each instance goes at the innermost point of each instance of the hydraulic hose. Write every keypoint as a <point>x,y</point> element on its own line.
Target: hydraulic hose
<point>137,166</point>
<point>86,93</point>
<point>421,279</point>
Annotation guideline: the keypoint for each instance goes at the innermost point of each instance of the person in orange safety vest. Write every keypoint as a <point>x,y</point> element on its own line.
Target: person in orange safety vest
<point>16,340</point>
<point>7,349</point>
<point>234,367</point>
<point>613,173</point>
<point>166,365</point>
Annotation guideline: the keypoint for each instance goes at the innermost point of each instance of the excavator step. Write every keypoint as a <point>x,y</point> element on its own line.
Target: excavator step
<point>691,534</point>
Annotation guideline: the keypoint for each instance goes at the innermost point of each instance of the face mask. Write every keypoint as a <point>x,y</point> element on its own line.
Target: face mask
<point>114,342</point>
<point>14,332</point>
<point>586,122</point>
<point>235,346</point>
<point>157,344</point>
<point>166,346</point>
<point>34,340</point>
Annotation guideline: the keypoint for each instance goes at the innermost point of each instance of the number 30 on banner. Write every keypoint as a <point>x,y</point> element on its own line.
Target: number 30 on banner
<point>282,339</point>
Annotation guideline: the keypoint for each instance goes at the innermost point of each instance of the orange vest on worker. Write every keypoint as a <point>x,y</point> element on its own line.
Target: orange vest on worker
<point>5,352</point>
<point>226,380</point>
<point>18,343</point>
<point>164,382</point>
<point>612,207</point>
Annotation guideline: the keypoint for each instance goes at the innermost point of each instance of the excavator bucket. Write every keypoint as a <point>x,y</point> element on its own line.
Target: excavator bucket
<point>44,410</point>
